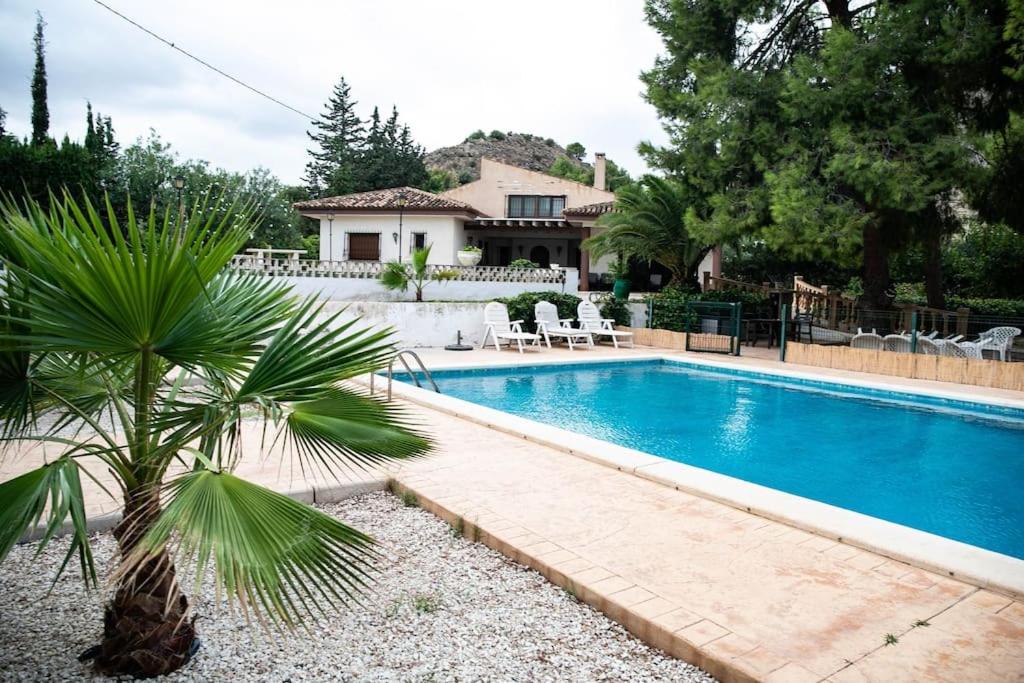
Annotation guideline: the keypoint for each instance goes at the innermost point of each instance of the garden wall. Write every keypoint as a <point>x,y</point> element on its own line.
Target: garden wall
<point>418,324</point>
<point>984,373</point>
<point>667,339</point>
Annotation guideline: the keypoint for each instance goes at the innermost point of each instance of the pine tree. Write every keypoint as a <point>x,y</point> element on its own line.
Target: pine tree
<point>3,122</point>
<point>40,111</point>
<point>339,138</point>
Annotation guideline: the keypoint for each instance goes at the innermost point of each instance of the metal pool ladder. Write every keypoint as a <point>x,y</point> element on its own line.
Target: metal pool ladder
<point>400,356</point>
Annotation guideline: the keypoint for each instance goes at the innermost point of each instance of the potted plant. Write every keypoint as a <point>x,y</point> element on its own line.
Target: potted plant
<point>620,271</point>
<point>470,255</point>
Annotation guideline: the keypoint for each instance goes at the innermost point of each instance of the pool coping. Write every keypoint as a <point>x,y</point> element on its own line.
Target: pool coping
<point>968,563</point>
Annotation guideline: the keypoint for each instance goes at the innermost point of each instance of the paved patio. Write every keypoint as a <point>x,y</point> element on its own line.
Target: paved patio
<point>744,597</point>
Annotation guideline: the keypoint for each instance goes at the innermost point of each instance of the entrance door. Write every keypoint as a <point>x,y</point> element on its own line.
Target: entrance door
<point>364,246</point>
<point>541,256</point>
<point>504,256</point>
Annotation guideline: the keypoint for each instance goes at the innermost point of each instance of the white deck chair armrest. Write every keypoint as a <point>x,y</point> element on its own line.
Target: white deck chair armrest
<point>516,322</point>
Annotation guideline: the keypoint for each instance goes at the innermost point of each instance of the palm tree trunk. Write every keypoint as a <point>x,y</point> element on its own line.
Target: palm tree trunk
<point>146,627</point>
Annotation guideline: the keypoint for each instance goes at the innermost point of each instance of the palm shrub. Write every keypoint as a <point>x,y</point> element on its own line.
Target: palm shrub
<point>648,224</point>
<point>400,276</point>
<point>132,347</point>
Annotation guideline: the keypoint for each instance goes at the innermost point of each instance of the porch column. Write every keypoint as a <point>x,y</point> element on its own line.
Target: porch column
<point>584,263</point>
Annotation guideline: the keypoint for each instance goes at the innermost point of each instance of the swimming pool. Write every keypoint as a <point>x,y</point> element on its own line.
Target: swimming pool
<point>951,468</point>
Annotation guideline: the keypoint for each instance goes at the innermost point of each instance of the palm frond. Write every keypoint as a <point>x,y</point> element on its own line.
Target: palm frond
<point>53,490</point>
<point>89,288</point>
<point>349,428</point>
<point>395,276</point>
<point>271,555</point>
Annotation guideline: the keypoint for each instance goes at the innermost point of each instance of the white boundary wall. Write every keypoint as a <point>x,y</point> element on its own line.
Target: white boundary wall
<point>418,324</point>
<point>370,289</point>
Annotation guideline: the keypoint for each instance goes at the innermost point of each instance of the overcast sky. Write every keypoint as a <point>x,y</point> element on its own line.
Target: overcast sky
<point>566,69</point>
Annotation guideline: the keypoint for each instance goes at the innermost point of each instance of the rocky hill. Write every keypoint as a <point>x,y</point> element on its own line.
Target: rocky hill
<point>519,149</point>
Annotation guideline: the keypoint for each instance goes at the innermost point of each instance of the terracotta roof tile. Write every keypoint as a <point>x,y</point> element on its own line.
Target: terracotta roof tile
<point>589,209</point>
<point>378,200</point>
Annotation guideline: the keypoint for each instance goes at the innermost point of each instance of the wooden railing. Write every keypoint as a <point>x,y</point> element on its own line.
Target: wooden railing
<point>714,284</point>
<point>832,310</point>
<point>371,270</point>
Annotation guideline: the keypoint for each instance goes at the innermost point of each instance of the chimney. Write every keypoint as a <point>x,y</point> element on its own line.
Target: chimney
<point>599,170</point>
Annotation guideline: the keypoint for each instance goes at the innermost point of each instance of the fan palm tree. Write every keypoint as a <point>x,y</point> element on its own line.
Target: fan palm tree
<point>648,224</point>
<point>132,346</point>
<point>399,276</point>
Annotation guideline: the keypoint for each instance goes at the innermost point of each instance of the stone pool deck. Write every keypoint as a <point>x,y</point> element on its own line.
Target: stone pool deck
<point>740,595</point>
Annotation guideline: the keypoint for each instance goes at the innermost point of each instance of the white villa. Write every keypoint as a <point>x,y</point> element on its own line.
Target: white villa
<point>510,213</point>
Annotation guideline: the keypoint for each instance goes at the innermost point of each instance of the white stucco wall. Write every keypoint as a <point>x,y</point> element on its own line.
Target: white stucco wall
<point>370,289</point>
<point>444,233</point>
<point>418,325</point>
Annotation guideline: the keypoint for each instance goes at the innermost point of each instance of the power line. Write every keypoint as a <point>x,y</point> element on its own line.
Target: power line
<point>205,63</point>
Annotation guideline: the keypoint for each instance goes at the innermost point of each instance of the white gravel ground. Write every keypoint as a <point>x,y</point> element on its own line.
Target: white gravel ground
<point>444,609</point>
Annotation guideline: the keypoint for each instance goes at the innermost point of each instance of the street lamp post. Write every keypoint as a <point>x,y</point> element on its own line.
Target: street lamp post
<point>330,237</point>
<point>179,185</point>
<point>403,201</point>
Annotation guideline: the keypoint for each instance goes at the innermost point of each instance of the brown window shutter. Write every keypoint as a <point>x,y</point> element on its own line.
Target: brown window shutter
<point>364,246</point>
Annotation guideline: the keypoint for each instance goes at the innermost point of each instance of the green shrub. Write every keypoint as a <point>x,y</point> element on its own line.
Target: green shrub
<point>669,310</point>
<point>616,309</point>
<point>477,135</point>
<point>520,307</point>
<point>523,263</point>
<point>1005,308</point>
<point>497,135</point>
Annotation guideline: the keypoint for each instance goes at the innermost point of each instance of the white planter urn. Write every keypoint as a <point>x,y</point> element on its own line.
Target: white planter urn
<point>469,258</point>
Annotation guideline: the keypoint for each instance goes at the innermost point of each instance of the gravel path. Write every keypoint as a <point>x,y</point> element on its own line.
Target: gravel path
<point>445,609</point>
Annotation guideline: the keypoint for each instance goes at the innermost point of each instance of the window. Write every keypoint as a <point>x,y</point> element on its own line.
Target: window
<point>364,246</point>
<point>419,241</point>
<point>535,206</point>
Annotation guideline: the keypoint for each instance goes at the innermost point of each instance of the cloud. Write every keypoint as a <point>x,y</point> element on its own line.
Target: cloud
<point>567,70</point>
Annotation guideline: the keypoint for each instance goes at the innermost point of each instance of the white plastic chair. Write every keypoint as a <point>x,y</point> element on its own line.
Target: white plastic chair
<point>591,321</point>
<point>550,325</point>
<point>998,339</point>
<point>959,349</point>
<point>499,328</point>
<point>867,340</point>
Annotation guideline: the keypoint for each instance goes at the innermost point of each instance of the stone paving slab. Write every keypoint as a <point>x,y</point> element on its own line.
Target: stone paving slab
<point>744,597</point>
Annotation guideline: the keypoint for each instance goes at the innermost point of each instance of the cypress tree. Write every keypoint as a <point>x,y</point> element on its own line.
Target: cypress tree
<point>40,111</point>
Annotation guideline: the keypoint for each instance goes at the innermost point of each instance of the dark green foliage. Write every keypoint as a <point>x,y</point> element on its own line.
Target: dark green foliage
<point>3,122</point>
<point>439,180</point>
<point>669,306</point>
<point>648,225</point>
<point>616,177</point>
<point>576,150</point>
<point>520,307</point>
<point>40,108</point>
<point>476,135</point>
<point>333,169</point>
<point>496,135</point>
<point>523,263</point>
<point>616,309</point>
<point>1006,308</point>
<point>351,156</point>
<point>834,131</point>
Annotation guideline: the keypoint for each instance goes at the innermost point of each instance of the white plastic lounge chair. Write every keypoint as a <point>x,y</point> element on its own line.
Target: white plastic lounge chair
<point>867,340</point>
<point>591,321</point>
<point>499,328</point>
<point>550,325</point>
<point>998,339</point>
<point>897,342</point>
<point>926,346</point>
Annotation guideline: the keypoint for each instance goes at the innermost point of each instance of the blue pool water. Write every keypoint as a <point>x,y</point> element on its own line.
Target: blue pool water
<point>953,469</point>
